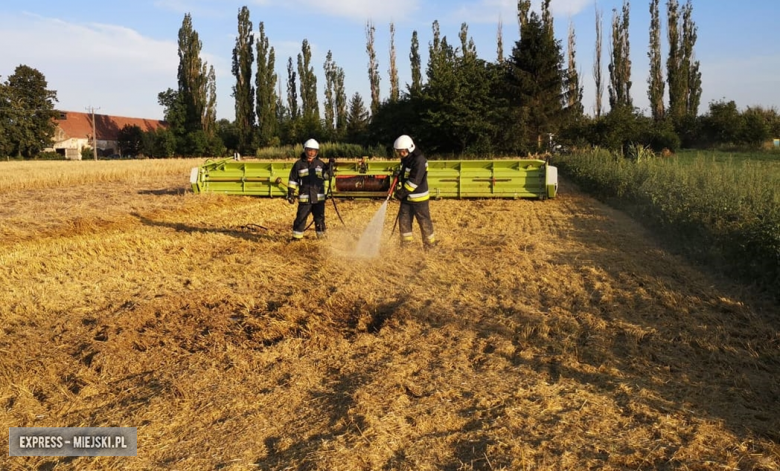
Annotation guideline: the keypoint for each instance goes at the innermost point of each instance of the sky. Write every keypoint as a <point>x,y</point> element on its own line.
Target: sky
<point>115,57</point>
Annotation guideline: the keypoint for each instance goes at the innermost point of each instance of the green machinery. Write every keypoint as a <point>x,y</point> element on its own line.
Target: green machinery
<point>510,178</point>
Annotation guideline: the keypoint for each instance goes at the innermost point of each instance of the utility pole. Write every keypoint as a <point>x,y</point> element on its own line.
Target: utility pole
<point>94,132</point>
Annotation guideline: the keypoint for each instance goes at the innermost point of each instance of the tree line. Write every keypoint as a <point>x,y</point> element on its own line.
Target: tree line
<point>456,104</point>
<point>461,104</point>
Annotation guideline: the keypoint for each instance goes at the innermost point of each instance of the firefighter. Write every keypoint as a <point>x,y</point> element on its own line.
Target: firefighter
<point>412,192</point>
<point>308,176</point>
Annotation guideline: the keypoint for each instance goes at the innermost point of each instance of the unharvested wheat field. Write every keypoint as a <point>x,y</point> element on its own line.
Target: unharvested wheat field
<point>540,335</point>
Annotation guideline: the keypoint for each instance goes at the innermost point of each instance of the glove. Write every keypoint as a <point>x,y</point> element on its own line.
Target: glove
<point>396,172</point>
<point>291,196</point>
<point>401,193</point>
<point>331,162</point>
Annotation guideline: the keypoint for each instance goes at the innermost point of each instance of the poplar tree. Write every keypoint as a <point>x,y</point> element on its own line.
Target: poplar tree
<point>210,113</point>
<point>335,99</point>
<point>597,67</point>
<point>500,42</point>
<point>416,66</point>
<point>330,99</point>
<point>373,67</point>
<point>690,66</point>
<point>341,104</point>
<point>572,82</point>
<point>191,77</point>
<point>310,108</point>
<point>620,65</point>
<point>438,54</point>
<point>292,91</point>
<point>292,123</point>
<point>547,19</point>
<point>265,83</point>
<point>393,71</point>
<point>243,90</point>
<point>682,72</point>
<point>655,91</point>
<point>523,8</point>
<point>7,117</point>
<point>467,47</point>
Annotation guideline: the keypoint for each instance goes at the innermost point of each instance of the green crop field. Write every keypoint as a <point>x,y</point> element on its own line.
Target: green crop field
<point>722,208</point>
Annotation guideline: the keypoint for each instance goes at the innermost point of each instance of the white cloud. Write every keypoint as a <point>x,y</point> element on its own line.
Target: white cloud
<point>91,64</point>
<point>489,11</point>
<point>358,10</point>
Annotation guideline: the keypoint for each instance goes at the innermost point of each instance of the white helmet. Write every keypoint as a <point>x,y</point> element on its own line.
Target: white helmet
<point>404,143</point>
<point>311,144</point>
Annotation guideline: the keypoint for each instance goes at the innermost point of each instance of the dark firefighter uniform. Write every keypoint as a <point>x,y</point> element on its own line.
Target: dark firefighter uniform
<point>309,177</point>
<point>414,197</point>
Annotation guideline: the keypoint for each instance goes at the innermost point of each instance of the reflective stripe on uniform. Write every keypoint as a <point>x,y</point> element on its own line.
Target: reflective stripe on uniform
<point>297,235</point>
<point>416,197</point>
<point>407,236</point>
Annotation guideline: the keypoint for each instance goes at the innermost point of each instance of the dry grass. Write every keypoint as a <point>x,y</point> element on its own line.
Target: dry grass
<point>32,175</point>
<point>541,335</point>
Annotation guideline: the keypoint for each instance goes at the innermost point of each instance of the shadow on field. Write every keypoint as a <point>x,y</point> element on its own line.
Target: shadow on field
<point>250,232</point>
<point>164,192</point>
<point>698,344</point>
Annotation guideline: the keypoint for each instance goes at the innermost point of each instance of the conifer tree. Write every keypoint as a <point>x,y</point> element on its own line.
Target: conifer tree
<point>357,119</point>
<point>535,85</point>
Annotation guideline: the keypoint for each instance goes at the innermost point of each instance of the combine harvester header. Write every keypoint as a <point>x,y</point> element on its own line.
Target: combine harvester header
<point>511,178</point>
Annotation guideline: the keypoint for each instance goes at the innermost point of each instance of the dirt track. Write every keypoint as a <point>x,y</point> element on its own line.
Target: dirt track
<point>541,335</point>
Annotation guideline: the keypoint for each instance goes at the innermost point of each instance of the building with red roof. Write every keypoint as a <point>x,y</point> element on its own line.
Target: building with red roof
<point>75,131</point>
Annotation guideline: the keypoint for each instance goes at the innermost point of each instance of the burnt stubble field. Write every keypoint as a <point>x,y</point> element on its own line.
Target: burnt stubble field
<point>551,334</point>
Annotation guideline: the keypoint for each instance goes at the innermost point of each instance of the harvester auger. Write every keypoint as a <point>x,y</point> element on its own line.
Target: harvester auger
<point>500,178</point>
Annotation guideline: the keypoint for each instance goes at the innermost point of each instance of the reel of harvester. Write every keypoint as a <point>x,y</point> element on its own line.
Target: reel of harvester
<point>500,178</point>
